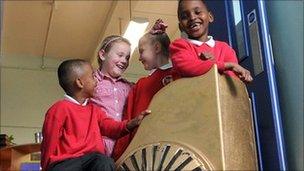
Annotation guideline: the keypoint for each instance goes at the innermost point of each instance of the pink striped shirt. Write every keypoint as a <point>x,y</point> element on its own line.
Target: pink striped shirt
<point>111,95</point>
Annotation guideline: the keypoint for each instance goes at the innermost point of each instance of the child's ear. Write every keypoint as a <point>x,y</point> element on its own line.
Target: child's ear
<point>211,17</point>
<point>157,47</point>
<point>183,33</point>
<point>79,83</point>
<point>180,27</point>
<point>101,54</point>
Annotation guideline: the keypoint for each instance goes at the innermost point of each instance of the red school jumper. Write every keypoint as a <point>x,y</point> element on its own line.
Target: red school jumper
<point>185,56</point>
<point>139,99</point>
<point>71,130</point>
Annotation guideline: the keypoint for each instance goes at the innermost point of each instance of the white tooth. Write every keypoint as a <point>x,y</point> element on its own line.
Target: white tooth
<point>121,67</point>
<point>194,25</point>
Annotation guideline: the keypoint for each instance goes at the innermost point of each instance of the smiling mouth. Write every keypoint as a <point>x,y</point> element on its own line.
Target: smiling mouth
<point>144,63</point>
<point>194,26</point>
<point>122,67</point>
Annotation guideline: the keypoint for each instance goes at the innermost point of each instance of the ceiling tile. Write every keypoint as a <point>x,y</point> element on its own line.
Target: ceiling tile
<point>24,26</point>
<point>75,28</point>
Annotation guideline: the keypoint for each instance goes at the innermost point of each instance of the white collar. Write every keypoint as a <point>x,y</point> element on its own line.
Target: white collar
<point>71,99</point>
<point>164,67</point>
<point>210,42</point>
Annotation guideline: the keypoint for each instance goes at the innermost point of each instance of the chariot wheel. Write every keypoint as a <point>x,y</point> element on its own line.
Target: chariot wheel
<point>163,156</point>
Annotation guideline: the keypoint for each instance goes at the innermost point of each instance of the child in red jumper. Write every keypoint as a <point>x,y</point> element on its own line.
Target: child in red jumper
<point>73,127</point>
<point>154,55</point>
<point>196,55</point>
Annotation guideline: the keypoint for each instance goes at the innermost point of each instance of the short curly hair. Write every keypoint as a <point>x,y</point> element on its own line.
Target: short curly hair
<point>67,73</point>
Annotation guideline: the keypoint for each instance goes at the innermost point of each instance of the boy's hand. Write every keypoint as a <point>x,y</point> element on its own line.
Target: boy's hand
<point>243,73</point>
<point>207,56</point>
<point>137,120</point>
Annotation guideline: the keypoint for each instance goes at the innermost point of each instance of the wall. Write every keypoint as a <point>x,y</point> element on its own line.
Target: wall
<point>27,91</point>
<point>286,28</point>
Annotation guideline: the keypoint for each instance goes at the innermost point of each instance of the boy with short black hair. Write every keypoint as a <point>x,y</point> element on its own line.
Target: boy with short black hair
<point>73,127</point>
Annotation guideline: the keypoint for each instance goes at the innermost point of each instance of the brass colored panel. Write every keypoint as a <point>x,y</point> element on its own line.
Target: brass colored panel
<point>238,135</point>
<point>207,117</point>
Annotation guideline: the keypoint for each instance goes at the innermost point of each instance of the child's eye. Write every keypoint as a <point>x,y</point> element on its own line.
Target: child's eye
<point>183,16</point>
<point>197,12</point>
<point>120,54</point>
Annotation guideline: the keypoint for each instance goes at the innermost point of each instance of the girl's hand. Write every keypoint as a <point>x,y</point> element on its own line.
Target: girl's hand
<point>137,120</point>
<point>242,73</point>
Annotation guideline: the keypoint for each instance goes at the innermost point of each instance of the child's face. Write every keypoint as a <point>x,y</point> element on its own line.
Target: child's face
<point>116,61</point>
<point>88,80</point>
<point>147,55</point>
<point>194,19</point>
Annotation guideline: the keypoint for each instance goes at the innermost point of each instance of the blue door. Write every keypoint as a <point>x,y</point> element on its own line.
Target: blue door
<point>243,24</point>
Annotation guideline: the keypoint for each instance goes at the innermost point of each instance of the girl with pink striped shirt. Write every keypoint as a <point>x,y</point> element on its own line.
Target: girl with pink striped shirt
<point>112,90</point>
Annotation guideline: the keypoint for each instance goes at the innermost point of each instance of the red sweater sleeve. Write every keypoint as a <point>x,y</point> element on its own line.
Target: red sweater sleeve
<point>51,132</point>
<point>230,56</point>
<point>111,128</point>
<point>128,112</point>
<point>186,62</point>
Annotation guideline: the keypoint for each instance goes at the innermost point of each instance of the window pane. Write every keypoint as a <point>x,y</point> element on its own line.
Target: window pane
<point>238,24</point>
